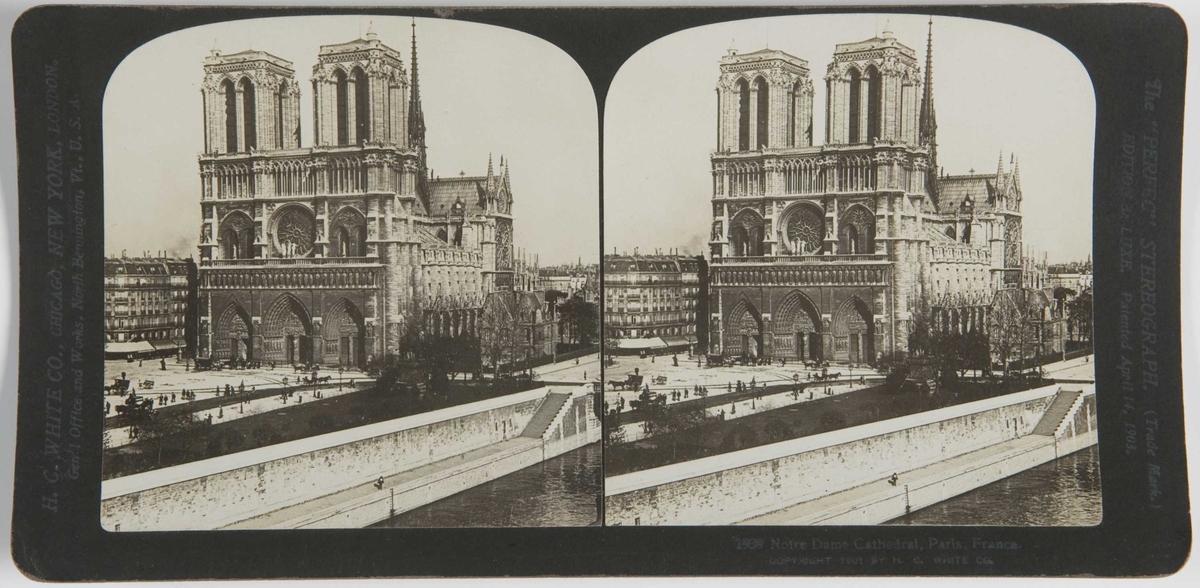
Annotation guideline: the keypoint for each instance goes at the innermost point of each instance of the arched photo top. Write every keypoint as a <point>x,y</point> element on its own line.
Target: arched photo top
<point>488,95</point>
<point>999,91</point>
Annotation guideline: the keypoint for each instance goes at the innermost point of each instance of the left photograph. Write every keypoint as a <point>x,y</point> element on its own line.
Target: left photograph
<point>351,279</point>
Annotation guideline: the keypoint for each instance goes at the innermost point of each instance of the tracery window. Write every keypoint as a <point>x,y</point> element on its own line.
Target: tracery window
<point>805,230</point>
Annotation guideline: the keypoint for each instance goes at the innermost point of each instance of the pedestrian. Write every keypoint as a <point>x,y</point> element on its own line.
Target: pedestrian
<point>221,413</point>
<point>163,364</point>
<point>107,407</point>
<point>733,408</point>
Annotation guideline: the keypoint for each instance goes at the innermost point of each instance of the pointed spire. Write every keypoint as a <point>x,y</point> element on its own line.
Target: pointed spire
<point>1000,166</point>
<point>490,165</point>
<point>371,30</point>
<point>928,118</point>
<point>416,118</point>
<point>1016,172</point>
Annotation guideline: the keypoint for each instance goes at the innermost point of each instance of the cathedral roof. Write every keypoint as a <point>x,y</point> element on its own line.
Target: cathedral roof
<point>935,236</point>
<point>428,238</point>
<point>219,62</point>
<point>872,44</point>
<point>763,55</point>
<point>329,52</point>
<point>470,190</point>
<point>952,190</point>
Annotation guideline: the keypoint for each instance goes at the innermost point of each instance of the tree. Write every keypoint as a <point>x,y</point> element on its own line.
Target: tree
<point>1011,330</point>
<point>580,320</point>
<point>552,298</point>
<point>1080,309</point>
<point>498,335</point>
<point>164,425</point>
<point>653,408</point>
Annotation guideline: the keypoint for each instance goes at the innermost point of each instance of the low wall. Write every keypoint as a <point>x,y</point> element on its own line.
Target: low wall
<point>575,427</point>
<point>732,487</point>
<point>389,502</point>
<point>217,492</point>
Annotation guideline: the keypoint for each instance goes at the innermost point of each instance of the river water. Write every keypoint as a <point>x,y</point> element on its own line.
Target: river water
<point>559,492</point>
<point>1064,492</point>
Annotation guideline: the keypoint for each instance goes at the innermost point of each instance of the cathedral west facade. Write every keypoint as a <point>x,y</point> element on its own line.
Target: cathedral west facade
<point>830,251</point>
<point>328,254</point>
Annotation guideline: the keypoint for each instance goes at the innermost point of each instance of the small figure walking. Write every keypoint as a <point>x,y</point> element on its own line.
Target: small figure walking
<point>893,479</point>
<point>379,483</point>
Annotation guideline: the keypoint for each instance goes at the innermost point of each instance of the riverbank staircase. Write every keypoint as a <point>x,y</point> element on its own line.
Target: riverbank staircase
<point>545,415</point>
<point>1059,408</point>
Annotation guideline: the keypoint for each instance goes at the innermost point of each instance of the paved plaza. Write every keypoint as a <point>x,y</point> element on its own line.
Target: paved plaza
<point>1080,368</point>
<point>583,369</point>
<point>718,380</point>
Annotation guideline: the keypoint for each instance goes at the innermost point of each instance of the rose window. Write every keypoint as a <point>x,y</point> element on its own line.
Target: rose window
<point>805,230</point>
<point>295,232</point>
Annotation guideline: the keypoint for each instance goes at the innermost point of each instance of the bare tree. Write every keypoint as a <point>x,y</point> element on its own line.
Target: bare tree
<point>1011,331</point>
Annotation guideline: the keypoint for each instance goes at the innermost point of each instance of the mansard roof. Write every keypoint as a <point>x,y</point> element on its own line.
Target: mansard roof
<point>650,263</point>
<point>114,266</point>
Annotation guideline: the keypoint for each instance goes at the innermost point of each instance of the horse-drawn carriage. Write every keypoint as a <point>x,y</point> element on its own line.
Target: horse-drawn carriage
<point>659,380</point>
<point>631,382</point>
<point>136,407</point>
<point>120,387</point>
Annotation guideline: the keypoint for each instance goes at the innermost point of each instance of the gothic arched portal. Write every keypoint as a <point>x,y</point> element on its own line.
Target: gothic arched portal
<point>797,328</point>
<point>854,332</point>
<point>744,330</point>
<point>288,331</point>
<point>345,335</point>
<point>233,335</point>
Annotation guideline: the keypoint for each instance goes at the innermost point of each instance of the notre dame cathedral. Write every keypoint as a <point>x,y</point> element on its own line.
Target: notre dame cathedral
<point>327,254</point>
<point>828,252</point>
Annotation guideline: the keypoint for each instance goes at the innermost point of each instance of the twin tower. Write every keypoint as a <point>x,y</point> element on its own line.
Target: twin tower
<point>361,95</point>
<point>873,93</point>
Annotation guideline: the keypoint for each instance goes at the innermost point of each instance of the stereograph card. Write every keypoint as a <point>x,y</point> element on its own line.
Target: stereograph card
<point>331,292</point>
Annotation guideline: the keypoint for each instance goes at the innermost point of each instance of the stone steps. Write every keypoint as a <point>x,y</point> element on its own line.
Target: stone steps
<point>1059,408</point>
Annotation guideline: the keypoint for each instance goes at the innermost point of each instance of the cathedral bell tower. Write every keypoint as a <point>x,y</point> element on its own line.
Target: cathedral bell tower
<point>360,94</point>
<point>764,101</point>
<point>251,103</point>
<point>873,92</point>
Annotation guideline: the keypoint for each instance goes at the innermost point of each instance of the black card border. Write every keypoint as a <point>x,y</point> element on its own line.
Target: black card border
<point>1122,47</point>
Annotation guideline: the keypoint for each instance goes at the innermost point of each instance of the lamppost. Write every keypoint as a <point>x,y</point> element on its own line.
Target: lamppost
<point>340,370</point>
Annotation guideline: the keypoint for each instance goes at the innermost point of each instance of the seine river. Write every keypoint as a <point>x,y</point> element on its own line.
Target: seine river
<point>559,492</point>
<point>1064,492</point>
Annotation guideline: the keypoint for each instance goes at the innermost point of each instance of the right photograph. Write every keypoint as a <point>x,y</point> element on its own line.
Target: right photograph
<point>848,277</point>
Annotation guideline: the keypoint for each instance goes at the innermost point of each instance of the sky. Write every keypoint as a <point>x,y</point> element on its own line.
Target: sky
<point>484,90</point>
<point>997,88</point>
